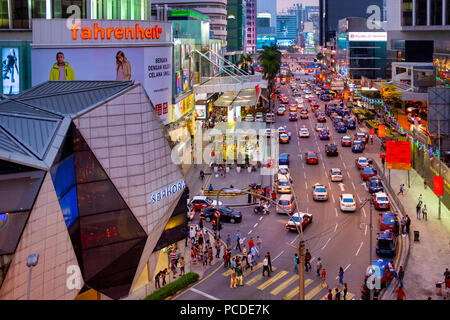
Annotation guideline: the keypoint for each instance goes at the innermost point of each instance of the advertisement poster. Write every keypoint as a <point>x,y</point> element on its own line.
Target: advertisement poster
<point>191,72</point>
<point>10,70</point>
<point>200,111</point>
<point>178,82</point>
<point>185,80</point>
<point>152,66</point>
<point>182,56</point>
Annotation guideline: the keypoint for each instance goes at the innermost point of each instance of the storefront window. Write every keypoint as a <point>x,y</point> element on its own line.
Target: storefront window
<point>407,13</point>
<point>20,14</point>
<point>60,7</point>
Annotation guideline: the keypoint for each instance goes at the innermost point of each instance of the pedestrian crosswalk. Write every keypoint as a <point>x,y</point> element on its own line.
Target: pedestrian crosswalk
<point>284,284</point>
<point>349,296</point>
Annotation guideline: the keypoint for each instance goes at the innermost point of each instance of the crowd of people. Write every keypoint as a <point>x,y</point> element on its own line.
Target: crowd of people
<point>175,263</point>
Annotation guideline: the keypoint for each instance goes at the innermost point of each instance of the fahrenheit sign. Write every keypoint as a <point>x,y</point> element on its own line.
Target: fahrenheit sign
<point>118,32</point>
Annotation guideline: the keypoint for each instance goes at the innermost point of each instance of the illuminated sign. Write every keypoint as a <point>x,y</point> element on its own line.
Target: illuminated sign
<point>3,220</point>
<point>367,36</point>
<point>167,192</point>
<point>398,155</point>
<point>88,33</point>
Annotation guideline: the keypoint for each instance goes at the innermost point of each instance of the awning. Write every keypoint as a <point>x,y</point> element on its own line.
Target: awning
<point>244,98</point>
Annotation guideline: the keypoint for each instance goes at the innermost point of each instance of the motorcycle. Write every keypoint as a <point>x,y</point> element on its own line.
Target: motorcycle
<point>261,210</point>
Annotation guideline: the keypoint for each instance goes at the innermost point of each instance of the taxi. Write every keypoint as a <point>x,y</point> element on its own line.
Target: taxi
<point>293,116</point>
<point>336,174</point>
<point>284,138</point>
<point>320,192</point>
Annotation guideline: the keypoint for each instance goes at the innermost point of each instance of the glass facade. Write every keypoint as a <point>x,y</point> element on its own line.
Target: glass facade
<point>436,12</point>
<point>19,187</point>
<point>120,9</point>
<point>107,239</point>
<point>407,11</point>
<point>235,25</point>
<point>421,12</point>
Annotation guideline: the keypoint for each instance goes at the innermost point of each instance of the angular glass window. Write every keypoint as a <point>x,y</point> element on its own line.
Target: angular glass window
<point>88,169</point>
<point>63,176</point>
<point>11,228</point>
<point>69,206</point>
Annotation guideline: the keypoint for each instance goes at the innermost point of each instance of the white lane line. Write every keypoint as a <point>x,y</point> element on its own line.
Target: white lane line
<point>304,174</point>
<point>344,164</point>
<point>326,243</point>
<point>255,225</point>
<point>336,212</point>
<point>335,228</point>
<point>303,165</point>
<point>358,197</point>
<point>294,239</point>
<point>365,232</point>
<point>323,164</point>
<point>333,197</point>
<point>312,259</point>
<point>353,186</point>
<point>260,218</point>
<point>204,294</point>
<point>250,231</point>
<point>347,267</point>
<point>357,252</point>
<point>306,185</point>
<point>364,211</point>
<point>278,255</point>
<point>348,173</point>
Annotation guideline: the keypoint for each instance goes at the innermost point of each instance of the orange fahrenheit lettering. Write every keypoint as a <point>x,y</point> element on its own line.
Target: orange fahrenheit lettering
<point>116,32</point>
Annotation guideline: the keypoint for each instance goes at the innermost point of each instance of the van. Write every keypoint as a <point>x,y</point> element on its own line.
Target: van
<point>270,118</point>
<point>286,204</point>
<point>283,184</point>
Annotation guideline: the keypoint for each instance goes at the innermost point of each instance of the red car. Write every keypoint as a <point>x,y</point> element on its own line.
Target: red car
<point>285,100</point>
<point>381,201</point>
<point>321,118</point>
<point>201,202</point>
<point>315,107</point>
<point>304,115</point>
<point>312,158</point>
<point>367,172</point>
<point>346,141</point>
<point>388,221</point>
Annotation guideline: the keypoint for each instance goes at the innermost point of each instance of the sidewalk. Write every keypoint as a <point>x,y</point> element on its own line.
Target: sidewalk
<point>429,256</point>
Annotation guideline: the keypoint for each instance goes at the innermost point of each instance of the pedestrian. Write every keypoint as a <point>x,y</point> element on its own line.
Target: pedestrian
<point>270,261</point>
<point>258,244</point>
<point>225,259</point>
<point>344,290</point>
<point>307,260</point>
<point>403,224</point>
<point>337,294</point>
<point>401,189</point>
<point>233,279</point>
<point>205,258</point>
<point>255,253</point>
<point>376,294</point>
<point>192,236</point>
<point>274,195</point>
<point>401,275</point>
<point>324,277</point>
<point>392,270</point>
<point>228,240</point>
<point>238,241</point>
<point>233,262</point>
<point>400,294</point>
<point>249,261</point>
<point>210,188</point>
<point>251,243</point>
<point>266,266</point>
<point>249,198</point>
<point>408,224</point>
<point>239,275</point>
<point>200,224</point>
<point>341,276</point>
<point>182,264</point>
<point>329,295</point>
<point>157,276</point>
<point>244,254</point>
<point>418,209</point>
<point>210,255</point>
<point>218,247</point>
<point>296,263</point>
<point>420,199</point>
<point>202,192</point>
<point>318,267</point>
<point>163,276</point>
<point>424,184</point>
<point>424,212</point>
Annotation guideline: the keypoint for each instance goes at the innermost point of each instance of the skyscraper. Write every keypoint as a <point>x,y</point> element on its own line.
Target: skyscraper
<point>250,25</point>
<point>269,6</point>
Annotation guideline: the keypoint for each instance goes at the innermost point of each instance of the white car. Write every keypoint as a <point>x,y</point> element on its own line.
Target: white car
<point>259,117</point>
<point>336,174</point>
<point>299,217</point>
<point>283,170</point>
<point>281,130</point>
<point>303,132</point>
<point>362,162</point>
<point>320,192</point>
<point>270,118</point>
<point>269,133</point>
<point>283,185</point>
<point>249,118</point>
<point>347,202</point>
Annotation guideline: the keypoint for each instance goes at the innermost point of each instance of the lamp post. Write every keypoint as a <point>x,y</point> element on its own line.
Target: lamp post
<point>32,261</point>
<point>370,226</point>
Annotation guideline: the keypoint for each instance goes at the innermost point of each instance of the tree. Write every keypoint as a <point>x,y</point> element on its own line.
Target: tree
<point>391,96</point>
<point>270,59</point>
<point>245,63</point>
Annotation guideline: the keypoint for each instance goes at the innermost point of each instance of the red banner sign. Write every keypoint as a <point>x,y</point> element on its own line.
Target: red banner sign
<point>381,131</point>
<point>398,155</point>
<point>438,186</point>
<point>372,132</point>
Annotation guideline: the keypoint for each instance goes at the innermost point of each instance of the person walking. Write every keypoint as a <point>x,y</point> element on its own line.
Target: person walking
<point>270,261</point>
<point>210,188</point>
<point>157,276</point>
<point>408,224</point>
<point>163,276</point>
<point>420,200</point>
<point>424,212</point>
<point>403,224</point>
<point>344,290</point>
<point>401,275</point>
<point>324,277</point>
<point>228,240</point>
<point>337,295</point>
<point>255,253</point>
<point>341,276</point>
<point>258,244</point>
<point>210,255</point>
<point>250,261</point>
<point>218,247</point>
<point>296,263</point>
<point>307,260</point>
<point>238,241</point>
<point>400,294</point>
<point>266,266</point>
<point>401,189</point>
<point>239,275</point>
<point>233,279</point>
<point>202,192</point>
<point>182,266</point>
<point>202,175</point>
<point>318,267</point>
<point>244,254</point>
<point>418,209</point>
<point>329,295</point>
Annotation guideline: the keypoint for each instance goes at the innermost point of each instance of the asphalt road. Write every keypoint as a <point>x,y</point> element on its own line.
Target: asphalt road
<point>336,237</point>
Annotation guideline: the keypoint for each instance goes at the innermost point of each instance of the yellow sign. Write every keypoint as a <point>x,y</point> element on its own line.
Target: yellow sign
<point>180,108</point>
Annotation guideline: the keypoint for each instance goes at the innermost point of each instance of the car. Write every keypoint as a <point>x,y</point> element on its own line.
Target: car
<point>249,118</point>
<point>269,133</point>
<point>331,150</point>
<point>351,124</point>
<point>325,97</point>
<point>298,219</point>
<point>201,202</point>
<point>303,132</point>
<point>286,204</point>
<point>362,162</point>
<point>336,174</point>
<point>226,214</point>
<point>297,78</point>
<point>299,100</point>
<point>374,185</point>
<point>284,138</point>
<point>283,82</point>
<point>388,221</point>
<point>303,108</point>
<point>381,201</point>
<point>314,106</point>
<point>284,171</point>
<point>283,184</point>
<point>277,91</point>
<point>347,202</point>
<point>386,244</point>
<point>364,137</point>
<point>320,126</point>
<point>285,100</point>
<point>346,141</point>
<point>341,128</point>
<point>324,135</point>
<point>320,192</point>
<point>321,118</point>
<point>270,118</point>
<point>281,111</point>
<point>357,146</point>
<point>304,115</point>
<point>367,172</point>
<point>259,117</point>
<point>311,157</point>
<point>380,272</point>
<point>293,116</point>
<point>293,108</point>
<point>283,159</point>
<point>281,130</point>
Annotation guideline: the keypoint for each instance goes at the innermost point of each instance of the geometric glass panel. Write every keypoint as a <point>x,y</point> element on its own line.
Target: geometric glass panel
<point>11,228</point>
<point>69,206</point>
<point>63,176</point>
<point>88,168</point>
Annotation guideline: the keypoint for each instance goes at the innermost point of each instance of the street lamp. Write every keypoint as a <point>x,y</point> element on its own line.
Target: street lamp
<point>32,261</point>
<point>370,226</point>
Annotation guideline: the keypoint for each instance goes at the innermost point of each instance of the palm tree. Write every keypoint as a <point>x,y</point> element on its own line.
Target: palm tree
<point>245,62</point>
<point>270,59</point>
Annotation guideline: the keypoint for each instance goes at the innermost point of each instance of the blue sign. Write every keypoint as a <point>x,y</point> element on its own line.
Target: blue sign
<point>166,192</point>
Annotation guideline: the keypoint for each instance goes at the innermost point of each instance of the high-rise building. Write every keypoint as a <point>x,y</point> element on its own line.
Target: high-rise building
<point>286,29</point>
<point>265,34</point>
<point>250,26</point>
<point>331,11</point>
<point>268,6</point>
<point>236,15</point>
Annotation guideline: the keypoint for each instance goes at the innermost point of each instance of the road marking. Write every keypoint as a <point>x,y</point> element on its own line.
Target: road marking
<point>204,294</point>
<point>354,188</point>
<point>348,173</point>
<point>275,278</point>
<point>335,228</point>
<point>278,255</point>
<point>283,286</point>
<point>257,277</point>
<point>260,218</point>
<point>335,210</point>
<point>250,232</point>
<point>332,196</point>
<point>365,232</point>
<point>295,292</point>
<point>303,165</point>
<point>306,185</point>
<point>326,243</point>
<point>364,211</point>
<point>347,267</point>
<point>344,164</point>
<point>255,225</point>
<point>314,292</point>
<point>358,197</point>
<point>357,252</point>
<point>294,239</point>
<point>304,174</point>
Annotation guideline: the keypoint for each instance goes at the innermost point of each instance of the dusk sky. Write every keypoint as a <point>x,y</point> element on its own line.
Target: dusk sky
<point>284,4</point>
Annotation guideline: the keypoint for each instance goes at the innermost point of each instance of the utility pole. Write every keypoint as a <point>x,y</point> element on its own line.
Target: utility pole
<point>440,163</point>
<point>301,278</point>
